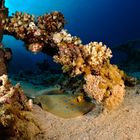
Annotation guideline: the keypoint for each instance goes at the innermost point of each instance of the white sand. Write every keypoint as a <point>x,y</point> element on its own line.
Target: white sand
<point>120,124</point>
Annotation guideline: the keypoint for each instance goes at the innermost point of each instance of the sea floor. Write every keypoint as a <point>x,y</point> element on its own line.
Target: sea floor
<point>120,124</point>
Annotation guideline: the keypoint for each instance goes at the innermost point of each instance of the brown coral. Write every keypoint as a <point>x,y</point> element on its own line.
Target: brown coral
<point>5,55</point>
<point>3,68</point>
<point>51,22</point>
<point>92,60</point>
<point>23,26</point>
<point>76,58</point>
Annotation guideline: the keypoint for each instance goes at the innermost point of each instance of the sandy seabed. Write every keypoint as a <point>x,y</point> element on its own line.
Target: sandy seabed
<point>120,124</point>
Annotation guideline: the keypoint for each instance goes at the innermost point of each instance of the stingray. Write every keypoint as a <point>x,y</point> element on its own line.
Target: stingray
<point>63,104</point>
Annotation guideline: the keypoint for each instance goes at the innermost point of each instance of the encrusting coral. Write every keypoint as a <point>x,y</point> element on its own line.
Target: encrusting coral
<point>7,91</point>
<point>11,94</point>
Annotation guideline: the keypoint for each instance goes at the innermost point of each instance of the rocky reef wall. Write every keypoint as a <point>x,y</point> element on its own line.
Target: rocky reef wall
<point>3,15</point>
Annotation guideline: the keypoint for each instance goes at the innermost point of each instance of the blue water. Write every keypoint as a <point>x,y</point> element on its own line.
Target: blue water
<point>110,21</point>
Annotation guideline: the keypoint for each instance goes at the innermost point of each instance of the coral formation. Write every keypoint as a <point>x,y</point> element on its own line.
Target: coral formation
<point>3,15</point>
<point>91,60</point>
<point>2,2</point>
<point>5,56</point>
<point>107,87</point>
<point>15,116</point>
<point>103,81</point>
<point>76,58</point>
<point>11,94</point>
<point>91,73</point>
<point>36,33</point>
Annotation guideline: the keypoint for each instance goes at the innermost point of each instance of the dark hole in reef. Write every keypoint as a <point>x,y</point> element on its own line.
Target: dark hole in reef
<point>0,82</point>
<point>4,133</point>
<point>39,104</point>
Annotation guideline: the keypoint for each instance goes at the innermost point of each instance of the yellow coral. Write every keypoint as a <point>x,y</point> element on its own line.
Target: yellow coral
<point>107,87</point>
<point>112,73</point>
<point>79,61</point>
<point>116,97</point>
<point>92,60</point>
<point>87,70</point>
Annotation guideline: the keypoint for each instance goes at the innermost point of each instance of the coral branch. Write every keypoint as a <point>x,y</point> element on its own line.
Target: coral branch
<point>36,33</point>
